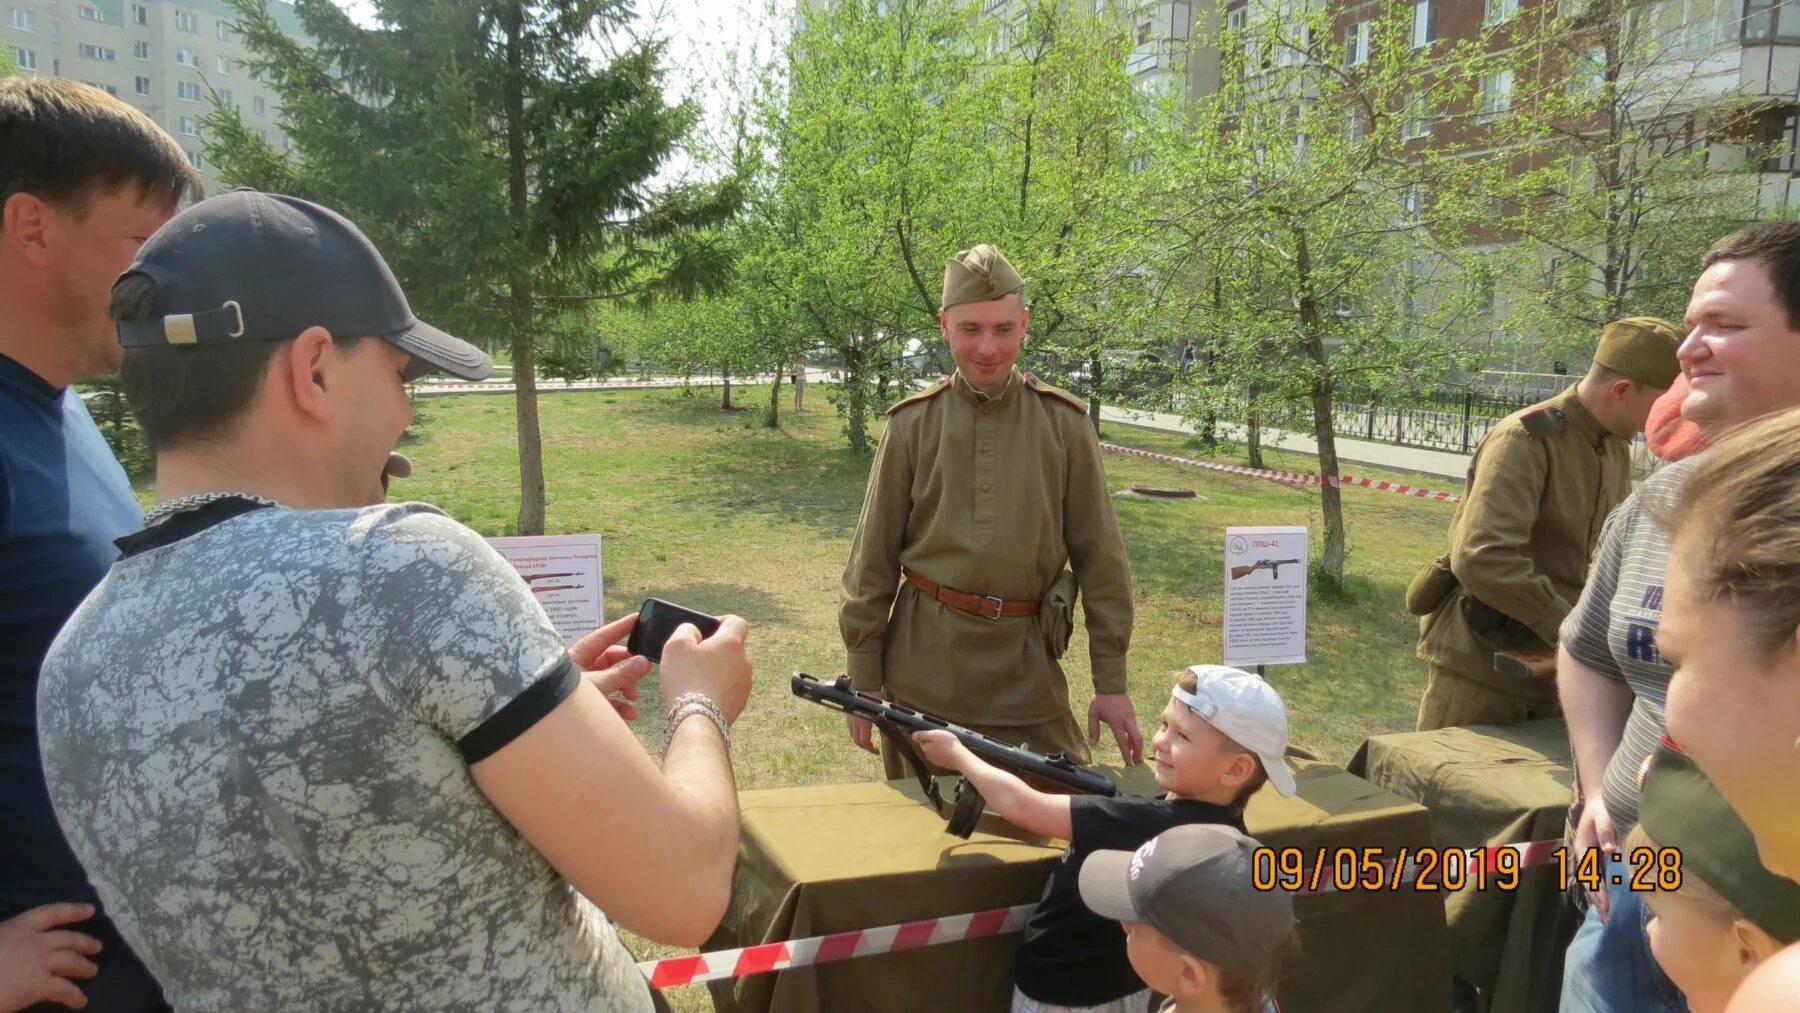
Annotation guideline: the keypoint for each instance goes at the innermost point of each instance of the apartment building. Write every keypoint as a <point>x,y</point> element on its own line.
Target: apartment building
<point>169,58</point>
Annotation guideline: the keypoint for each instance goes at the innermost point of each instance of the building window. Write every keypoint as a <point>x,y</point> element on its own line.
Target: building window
<point>1496,95</point>
<point>188,57</point>
<point>224,96</point>
<point>1412,203</point>
<point>1499,11</point>
<point>195,160</point>
<point>143,85</point>
<point>140,14</point>
<point>1356,44</point>
<point>107,88</point>
<point>225,65</point>
<point>187,126</point>
<point>187,21</point>
<point>259,105</point>
<point>23,20</point>
<point>1587,72</point>
<point>224,31</point>
<point>1353,126</point>
<point>1419,114</point>
<point>287,143</point>
<point>92,14</point>
<point>1422,24</point>
<point>101,53</point>
<point>187,91</point>
<point>262,135</point>
<point>141,50</point>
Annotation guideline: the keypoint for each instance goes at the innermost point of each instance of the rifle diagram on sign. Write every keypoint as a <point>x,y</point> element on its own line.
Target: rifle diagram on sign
<point>1272,565</point>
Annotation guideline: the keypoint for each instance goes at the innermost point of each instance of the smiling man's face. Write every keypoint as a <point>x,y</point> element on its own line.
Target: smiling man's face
<point>1742,353</point>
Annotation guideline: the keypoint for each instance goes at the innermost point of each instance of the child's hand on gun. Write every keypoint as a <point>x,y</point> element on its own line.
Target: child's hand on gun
<point>942,749</point>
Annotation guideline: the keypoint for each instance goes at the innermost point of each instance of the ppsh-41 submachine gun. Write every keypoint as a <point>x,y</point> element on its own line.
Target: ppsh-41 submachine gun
<point>898,723</point>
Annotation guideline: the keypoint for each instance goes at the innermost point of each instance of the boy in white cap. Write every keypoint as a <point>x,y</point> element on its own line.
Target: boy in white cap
<point>1222,735</point>
<point>1196,927</point>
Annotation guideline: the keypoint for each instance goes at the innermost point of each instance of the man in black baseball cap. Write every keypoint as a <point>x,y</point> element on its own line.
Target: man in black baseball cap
<point>298,734</point>
<point>1197,928</point>
<point>247,279</point>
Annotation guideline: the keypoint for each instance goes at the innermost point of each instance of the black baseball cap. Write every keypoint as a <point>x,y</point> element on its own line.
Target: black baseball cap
<point>253,266</point>
<point>1195,884</point>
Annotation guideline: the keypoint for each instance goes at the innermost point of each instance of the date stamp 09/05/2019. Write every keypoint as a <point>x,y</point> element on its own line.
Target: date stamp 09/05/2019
<point>1343,869</point>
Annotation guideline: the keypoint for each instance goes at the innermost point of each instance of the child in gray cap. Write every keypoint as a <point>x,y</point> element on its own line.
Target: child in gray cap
<point>1196,927</point>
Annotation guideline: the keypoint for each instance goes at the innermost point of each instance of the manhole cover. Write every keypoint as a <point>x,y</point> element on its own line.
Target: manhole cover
<point>1163,491</point>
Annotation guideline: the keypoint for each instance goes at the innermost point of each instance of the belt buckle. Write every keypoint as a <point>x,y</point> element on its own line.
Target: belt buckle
<point>999,606</point>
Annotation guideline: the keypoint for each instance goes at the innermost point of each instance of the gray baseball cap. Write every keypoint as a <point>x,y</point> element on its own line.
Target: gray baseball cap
<point>1195,885</point>
<point>253,266</point>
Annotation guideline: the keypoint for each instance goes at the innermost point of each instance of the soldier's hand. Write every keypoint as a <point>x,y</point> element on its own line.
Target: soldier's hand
<point>862,730</point>
<point>1116,712</point>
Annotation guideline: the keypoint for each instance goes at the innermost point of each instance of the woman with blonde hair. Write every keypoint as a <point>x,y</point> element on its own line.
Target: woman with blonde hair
<point>1731,630</point>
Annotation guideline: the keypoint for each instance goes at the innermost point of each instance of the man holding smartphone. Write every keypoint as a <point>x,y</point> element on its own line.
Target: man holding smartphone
<point>985,486</point>
<point>319,751</point>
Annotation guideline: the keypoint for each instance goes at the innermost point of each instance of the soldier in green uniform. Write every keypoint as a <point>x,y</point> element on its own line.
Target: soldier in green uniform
<point>986,484</point>
<point>1540,486</point>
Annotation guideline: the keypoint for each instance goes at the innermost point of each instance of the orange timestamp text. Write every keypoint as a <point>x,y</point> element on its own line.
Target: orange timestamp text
<point>1314,870</point>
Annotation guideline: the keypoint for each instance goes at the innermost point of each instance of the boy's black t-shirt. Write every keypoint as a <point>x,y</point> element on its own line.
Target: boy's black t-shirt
<point>1071,956</point>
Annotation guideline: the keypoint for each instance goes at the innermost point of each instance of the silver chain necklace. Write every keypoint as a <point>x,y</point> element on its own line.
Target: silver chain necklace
<point>181,504</point>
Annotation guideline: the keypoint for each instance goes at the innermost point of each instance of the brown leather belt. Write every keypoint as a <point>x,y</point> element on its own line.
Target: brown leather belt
<point>984,605</point>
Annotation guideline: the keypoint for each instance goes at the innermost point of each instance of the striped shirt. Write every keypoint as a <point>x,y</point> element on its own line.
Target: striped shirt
<point>1613,627</point>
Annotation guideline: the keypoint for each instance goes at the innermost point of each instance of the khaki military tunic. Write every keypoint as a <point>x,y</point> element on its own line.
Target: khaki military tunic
<point>1520,544</point>
<point>991,496</point>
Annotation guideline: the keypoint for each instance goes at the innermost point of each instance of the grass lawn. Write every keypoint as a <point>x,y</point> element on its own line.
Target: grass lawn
<point>709,509</point>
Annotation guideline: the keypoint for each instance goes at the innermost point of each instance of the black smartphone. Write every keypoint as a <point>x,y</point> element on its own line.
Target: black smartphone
<point>656,623</point>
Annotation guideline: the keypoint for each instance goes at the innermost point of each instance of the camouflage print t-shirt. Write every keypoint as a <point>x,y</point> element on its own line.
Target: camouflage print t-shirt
<point>258,739</point>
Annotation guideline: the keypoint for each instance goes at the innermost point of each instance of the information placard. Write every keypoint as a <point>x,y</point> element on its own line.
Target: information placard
<point>563,572</point>
<point>1265,596</point>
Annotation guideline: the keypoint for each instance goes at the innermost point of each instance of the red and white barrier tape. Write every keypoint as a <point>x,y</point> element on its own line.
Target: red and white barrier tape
<point>815,950</point>
<point>833,948</point>
<point>1292,477</point>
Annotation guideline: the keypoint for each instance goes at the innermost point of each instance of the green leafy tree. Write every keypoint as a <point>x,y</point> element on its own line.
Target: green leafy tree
<point>1315,238</point>
<point>1629,162</point>
<point>8,65</point>
<point>504,171</point>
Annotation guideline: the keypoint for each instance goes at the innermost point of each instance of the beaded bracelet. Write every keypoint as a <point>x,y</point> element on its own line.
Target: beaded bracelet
<point>686,706</point>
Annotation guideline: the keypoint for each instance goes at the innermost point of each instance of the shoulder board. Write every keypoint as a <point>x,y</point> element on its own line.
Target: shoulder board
<point>1544,423</point>
<point>1033,383</point>
<point>927,394</point>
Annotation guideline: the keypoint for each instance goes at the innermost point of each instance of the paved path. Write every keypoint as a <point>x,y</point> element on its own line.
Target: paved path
<point>1382,455</point>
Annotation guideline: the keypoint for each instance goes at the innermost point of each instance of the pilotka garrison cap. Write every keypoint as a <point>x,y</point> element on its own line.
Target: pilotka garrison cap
<point>252,266</point>
<point>1641,349</point>
<point>979,274</point>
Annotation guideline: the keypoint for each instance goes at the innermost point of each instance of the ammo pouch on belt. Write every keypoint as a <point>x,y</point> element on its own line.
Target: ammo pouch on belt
<point>1056,614</point>
<point>1430,586</point>
<point>1499,630</point>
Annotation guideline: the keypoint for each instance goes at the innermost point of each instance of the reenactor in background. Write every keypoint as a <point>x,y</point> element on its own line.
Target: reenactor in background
<point>1540,486</point>
<point>955,600</point>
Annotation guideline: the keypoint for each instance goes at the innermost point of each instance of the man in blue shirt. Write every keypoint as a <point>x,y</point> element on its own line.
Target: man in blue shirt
<point>84,180</point>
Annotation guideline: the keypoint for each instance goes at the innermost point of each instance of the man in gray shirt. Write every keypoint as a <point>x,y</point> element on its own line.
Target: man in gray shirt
<point>319,752</point>
<point>1741,358</point>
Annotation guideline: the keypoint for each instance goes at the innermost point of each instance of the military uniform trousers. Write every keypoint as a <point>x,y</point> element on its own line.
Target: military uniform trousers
<point>1453,700</point>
